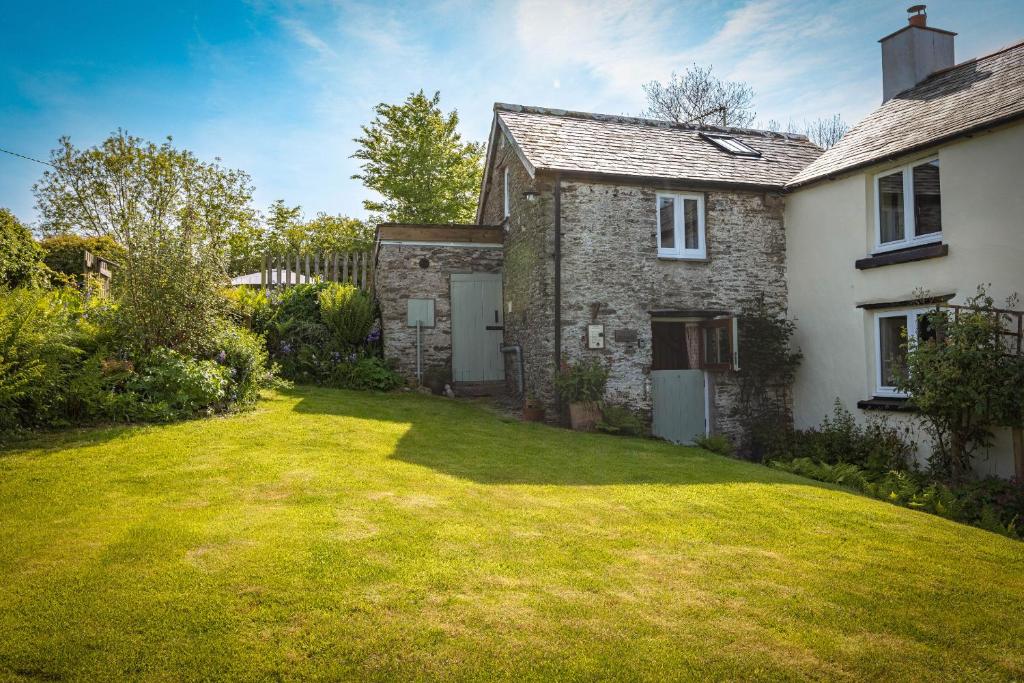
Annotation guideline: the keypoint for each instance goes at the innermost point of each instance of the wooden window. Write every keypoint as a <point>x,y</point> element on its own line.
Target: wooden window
<point>908,206</point>
<point>680,226</point>
<point>718,344</point>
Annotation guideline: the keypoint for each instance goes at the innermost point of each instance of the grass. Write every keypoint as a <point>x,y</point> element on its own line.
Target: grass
<point>339,535</point>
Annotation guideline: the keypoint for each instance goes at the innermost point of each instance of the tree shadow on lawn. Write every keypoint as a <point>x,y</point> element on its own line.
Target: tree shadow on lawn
<point>468,441</point>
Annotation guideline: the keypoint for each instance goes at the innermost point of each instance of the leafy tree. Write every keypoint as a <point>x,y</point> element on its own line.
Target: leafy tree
<point>415,159</point>
<point>698,96</point>
<point>171,212</point>
<point>19,254</point>
<point>965,380</point>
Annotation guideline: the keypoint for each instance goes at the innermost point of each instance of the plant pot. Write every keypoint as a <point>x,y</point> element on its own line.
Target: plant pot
<point>533,412</point>
<point>584,416</point>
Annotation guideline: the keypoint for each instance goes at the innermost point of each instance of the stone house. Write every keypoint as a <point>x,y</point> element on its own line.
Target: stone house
<point>636,242</point>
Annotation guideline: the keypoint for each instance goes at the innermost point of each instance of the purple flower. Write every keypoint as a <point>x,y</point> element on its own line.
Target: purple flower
<point>352,358</point>
<point>373,336</point>
<point>336,357</point>
<point>286,347</point>
<point>221,357</point>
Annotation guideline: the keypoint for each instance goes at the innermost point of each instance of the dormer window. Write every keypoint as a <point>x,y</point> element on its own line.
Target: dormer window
<point>731,145</point>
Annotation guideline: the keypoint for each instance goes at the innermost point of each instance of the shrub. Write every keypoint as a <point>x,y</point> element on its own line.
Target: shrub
<point>251,308</point>
<point>35,353</point>
<point>367,373</point>
<point>617,419</point>
<point>20,256</point>
<point>876,445</point>
<point>244,354</point>
<point>348,314</point>
<point>716,443</point>
<point>174,385</point>
<point>582,382</point>
<point>965,382</point>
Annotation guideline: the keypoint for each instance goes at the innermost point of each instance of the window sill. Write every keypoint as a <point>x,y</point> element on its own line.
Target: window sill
<point>692,259</point>
<point>888,403</point>
<point>908,255</point>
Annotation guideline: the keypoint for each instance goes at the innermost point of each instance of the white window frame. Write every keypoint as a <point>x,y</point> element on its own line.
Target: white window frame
<point>910,238</point>
<point>679,251</point>
<point>910,316</point>
<point>508,211</point>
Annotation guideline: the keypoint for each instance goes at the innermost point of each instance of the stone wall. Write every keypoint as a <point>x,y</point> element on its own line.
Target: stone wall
<point>611,275</point>
<point>407,271</point>
<point>528,281</point>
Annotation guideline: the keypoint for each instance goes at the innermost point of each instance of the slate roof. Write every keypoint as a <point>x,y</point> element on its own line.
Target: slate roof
<point>568,141</point>
<point>975,94</point>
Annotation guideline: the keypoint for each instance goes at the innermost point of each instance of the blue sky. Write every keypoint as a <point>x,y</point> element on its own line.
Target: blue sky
<point>280,89</point>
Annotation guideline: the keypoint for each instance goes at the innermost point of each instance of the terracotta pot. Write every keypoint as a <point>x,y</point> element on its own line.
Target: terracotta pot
<point>584,416</point>
<point>533,413</point>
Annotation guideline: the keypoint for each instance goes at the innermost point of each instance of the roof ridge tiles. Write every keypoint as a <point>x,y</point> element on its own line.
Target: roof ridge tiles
<point>655,123</point>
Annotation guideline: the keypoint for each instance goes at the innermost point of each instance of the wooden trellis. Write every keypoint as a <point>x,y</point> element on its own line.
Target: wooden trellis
<point>288,270</point>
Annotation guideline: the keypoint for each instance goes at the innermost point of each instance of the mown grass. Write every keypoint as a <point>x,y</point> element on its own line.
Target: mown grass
<point>339,535</point>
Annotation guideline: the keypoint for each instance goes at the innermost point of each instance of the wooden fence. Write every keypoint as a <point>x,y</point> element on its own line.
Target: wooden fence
<point>288,270</point>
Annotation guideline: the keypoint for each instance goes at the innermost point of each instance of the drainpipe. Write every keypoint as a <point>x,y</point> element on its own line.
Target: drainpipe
<point>521,374</point>
<point>558,282</point>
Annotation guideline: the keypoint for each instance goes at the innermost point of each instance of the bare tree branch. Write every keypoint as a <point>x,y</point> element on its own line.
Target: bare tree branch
<point>698,96</point>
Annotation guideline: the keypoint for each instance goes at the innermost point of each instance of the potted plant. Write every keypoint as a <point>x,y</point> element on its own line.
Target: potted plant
<point>533,410</point>
<point>582,387</point>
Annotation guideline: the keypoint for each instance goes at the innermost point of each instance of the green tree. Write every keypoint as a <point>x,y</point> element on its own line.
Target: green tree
<point>415,159</point>
<point>966,380</point>
<point>66,253</point>
<point>19,254</point>
<point>172,213</point>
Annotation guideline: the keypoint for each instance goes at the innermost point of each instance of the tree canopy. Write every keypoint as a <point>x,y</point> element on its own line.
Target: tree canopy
<point>415,159</point>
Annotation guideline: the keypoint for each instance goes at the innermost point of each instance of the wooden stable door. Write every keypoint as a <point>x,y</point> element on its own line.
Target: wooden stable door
<point>477,327</point>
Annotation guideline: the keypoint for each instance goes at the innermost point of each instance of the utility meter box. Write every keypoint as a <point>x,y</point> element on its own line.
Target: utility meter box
<point>595,336</point>
<point>420,311</point>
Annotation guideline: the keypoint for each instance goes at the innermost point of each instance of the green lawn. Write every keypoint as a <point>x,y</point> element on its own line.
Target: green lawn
<point>337,535</point>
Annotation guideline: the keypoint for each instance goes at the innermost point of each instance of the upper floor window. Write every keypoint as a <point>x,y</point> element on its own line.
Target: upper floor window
<point>508,211</point>
<point>680,222</point>
<point>908,206</point>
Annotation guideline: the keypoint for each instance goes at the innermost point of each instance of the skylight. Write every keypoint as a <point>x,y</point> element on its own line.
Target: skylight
<point>730,145</point>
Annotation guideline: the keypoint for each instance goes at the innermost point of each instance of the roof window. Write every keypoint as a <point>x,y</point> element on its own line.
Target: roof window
<point>730,145</point>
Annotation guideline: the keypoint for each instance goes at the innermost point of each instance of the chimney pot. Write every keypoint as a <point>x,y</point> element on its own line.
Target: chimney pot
<point>918,16</point>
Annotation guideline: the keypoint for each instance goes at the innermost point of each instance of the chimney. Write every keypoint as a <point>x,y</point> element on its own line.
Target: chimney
<point>913,53</point>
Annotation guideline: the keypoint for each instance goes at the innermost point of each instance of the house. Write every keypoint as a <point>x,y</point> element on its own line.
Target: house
<point>637,242</point>
<point>925,194</point>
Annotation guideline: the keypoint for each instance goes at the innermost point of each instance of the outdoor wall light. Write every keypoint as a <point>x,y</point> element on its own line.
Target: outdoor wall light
<point>531,195</point>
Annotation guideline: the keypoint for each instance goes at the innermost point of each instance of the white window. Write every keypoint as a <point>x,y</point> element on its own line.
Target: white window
<point>507,211</point>
<point>908,206</point>
<point>680,222</point>
<point>893,330</point>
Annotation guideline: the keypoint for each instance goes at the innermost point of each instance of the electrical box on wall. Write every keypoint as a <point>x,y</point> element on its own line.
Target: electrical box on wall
<point>595,336</point>
<point>420,311</point>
